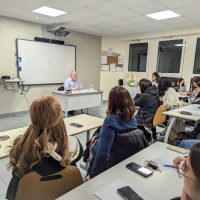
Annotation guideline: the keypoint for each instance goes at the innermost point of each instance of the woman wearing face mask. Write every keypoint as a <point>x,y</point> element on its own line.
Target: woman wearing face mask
<point>189,169</point>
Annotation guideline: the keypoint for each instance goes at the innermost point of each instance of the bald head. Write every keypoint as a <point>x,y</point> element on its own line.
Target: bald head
<point>74,75</point>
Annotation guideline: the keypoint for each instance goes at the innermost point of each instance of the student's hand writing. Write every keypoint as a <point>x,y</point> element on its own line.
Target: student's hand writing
<point>178,160</point>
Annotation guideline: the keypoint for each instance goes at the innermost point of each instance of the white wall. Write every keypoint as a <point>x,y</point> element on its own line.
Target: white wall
<point>88,60</point>
<point>122,46</point>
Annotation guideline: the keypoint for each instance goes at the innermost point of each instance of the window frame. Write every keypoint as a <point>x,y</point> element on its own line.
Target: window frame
<point>180,74</point>
<point>147,61</point>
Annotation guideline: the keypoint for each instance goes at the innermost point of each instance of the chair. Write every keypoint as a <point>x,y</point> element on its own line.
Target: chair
<point>158,120</point>
<point>61,88</point>
<point>33,186</point>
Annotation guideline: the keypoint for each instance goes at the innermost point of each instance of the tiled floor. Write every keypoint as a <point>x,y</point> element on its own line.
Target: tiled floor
<point>12,122</point>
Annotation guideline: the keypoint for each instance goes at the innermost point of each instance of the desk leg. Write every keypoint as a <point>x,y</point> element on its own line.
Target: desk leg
<point>169,128</point>
<point>85,167</point>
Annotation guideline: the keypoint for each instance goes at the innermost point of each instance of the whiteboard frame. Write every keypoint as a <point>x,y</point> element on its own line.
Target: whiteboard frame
<point>17,61</point>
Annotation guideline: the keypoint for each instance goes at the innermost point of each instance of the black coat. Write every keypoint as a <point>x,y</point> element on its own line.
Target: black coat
<point>148,103</point>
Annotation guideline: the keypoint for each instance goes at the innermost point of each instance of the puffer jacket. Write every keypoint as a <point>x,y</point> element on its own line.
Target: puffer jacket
<point>148,103</point>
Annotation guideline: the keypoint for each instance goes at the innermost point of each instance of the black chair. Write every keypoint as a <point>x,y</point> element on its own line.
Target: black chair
<point>61,88</point>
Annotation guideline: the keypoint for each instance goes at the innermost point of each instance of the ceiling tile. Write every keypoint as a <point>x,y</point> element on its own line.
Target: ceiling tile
<point>64,5</point>
<point>149,8</point>
<point>86,12</point>
<point>131,3</point>
<point>106,7</point>
<point>140,19</point>
<point>105,18</point>
<point>171,4</point>
<point>124,14</point>
<point>87,3</point>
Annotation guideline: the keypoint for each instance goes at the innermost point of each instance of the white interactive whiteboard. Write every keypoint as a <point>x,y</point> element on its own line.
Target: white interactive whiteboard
<point>44,63</point>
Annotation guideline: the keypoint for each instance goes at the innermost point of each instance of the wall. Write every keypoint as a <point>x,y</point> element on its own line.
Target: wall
<point>188,35</point>
<point>88,61</point>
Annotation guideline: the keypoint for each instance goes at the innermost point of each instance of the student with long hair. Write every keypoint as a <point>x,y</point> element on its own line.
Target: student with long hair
<point>119,120</point>
<point>195,95</point>
<point>44,147</point>
<point>155,78</point>
<point>188,168</point>
<point>167,93</point>
<point>180,85</point>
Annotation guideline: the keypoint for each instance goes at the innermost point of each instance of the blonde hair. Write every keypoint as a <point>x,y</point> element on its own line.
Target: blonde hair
<point>47,126</point>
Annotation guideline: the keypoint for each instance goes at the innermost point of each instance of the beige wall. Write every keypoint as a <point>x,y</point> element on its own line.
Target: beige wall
<point>88,61</point>
<point>122,45</point>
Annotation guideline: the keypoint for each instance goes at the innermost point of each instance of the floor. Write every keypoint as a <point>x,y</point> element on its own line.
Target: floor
<point>18,121</point>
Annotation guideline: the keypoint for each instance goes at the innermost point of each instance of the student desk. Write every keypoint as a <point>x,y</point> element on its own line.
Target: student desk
<point>79,99</point>
<point>160,186</point>
<point>175,114</point>
<point>88,122</point>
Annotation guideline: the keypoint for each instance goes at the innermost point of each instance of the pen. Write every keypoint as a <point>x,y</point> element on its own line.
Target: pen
<point>170,166</point>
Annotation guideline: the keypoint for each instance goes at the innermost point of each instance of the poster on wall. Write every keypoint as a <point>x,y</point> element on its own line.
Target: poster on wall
<point>112,61</point>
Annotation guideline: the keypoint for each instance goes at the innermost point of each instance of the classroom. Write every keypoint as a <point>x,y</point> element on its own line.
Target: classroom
<point>100,99</point>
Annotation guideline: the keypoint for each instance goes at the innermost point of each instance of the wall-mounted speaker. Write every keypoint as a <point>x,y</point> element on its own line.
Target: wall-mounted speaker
<point>42,39</point>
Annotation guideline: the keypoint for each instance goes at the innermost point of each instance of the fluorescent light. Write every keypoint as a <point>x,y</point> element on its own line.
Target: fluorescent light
<point>163,15</point>
<point>49,11</point>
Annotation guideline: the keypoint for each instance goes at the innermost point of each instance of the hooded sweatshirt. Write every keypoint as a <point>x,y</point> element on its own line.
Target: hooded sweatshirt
<point>148,103</point>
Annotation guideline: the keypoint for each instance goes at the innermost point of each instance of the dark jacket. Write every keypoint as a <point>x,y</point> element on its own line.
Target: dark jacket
<point>106,151</point>
<point>148,103</point>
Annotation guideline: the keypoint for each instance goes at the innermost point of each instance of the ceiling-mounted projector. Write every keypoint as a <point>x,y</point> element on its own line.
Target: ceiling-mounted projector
<point>58,31</point>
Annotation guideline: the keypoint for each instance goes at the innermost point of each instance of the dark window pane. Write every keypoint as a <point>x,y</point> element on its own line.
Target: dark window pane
<point>169,56</point>
<point>138,57</point>
<point>196,69</point>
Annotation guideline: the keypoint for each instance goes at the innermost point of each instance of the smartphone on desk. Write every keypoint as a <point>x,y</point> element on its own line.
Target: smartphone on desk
<point>128,193</point>
<point>139,169</point>
<point>76,125</point>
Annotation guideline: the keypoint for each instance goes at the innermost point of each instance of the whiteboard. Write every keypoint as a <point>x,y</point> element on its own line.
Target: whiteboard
<point>44,63</point>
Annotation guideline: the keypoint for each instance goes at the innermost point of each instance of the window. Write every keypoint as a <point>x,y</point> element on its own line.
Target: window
<point>196,69</point>
<point>169,56</point>
<point>138,57</point>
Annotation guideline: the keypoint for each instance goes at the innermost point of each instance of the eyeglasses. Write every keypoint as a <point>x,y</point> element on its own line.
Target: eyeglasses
<point>181,171</point>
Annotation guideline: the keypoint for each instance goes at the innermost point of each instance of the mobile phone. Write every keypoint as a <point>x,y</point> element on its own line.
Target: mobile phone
<point>76,125</point>
<point>185,112</point>
<point>128,193</point>
<point>139,169</point>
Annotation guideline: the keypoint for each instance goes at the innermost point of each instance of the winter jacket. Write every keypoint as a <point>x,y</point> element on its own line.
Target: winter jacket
<point>103,150</point>
<point>148,103</point>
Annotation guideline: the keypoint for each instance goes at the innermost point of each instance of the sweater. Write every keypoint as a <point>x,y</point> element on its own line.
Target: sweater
<point>170,98</point>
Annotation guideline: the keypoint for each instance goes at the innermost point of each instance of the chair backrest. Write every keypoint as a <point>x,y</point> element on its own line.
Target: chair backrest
<point>159,117</point>
<point>61,88</point>
<point>33,186</point>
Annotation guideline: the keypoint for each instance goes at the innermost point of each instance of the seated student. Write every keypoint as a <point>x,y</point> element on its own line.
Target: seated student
<point>194,82</point>
<point>195,95</point>
<point>44,147</point>
<point>189,169</point>
<point>148,102</point>
<point>118,122</point>
<point>167,93</point>
<point>187,144</point>
<point>179,85</point>
<point>155,78</point>
<point>72,82</point>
